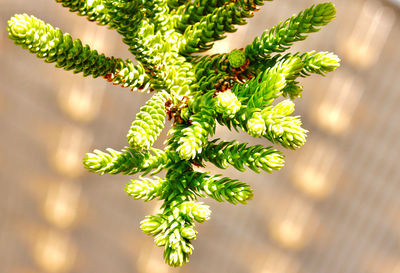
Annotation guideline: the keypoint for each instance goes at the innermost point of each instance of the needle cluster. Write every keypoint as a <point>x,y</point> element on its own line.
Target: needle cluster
<point>236,89</point>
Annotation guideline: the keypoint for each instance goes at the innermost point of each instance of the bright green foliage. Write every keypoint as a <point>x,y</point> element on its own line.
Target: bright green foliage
<point>256,157</point>
<point>149,122</point>
<point>319,63</point>
<point>227,104</point>
<point>127,161</point>
<point>145,188</point>
<point>236,58</point>
<point>237,89</point>
<point>94,9</point>
<point>199,36</point>
<point>226,189</point>
<point>282,36</point>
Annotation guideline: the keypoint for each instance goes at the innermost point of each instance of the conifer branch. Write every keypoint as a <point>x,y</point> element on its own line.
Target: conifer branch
<point>210,69</point>
<point>127,74</point>
<point>236,89</point>
<point>267,86</point>
<point>144,188</point>
<point>292,90</point>
<point>54,46</point>
<point>94,10</point>
<point>255,125</point>
<point>294,29</point>
<point>319,63</point>
<point>227,153</point>
<point>226,189</point>
<point>174,4</point>
<point>125,17</point>
<point>196,135</point>
<point>149,122</point>
<point>128,161</point>
<point>233,67</point>
<point>227,104</point>
<point>171,230</point>
<point>212,27</point>
<point>193,13</point>
<point>282,128</point>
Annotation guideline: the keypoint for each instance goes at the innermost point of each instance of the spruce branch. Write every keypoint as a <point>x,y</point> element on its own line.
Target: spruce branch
<point>282,128</point>
<point>54,46</point>
<point>313,62</point>
<point>212,27</point>
<point>226,189</point>
<point>227,104</point>
<point>126,74</point>
<point>267,86</point>
<point>144,188</point>
<point>190,14</point>
<point>319,63</point>
<point>292,90</point>
<point>172,231</point>
<point>255,125</point>
<point>225,66</point>
<point>294,29</point>
<point>237,89</point>
<point>255,157</point>
<point>217,63</point>
<point>196,135</point>
<point>125,16</point>
<point>128,161</point>
<point>193,13</point>
<point>174,4</point>
<point>94,10</point>
<point>157,12</point>
<point>149,122</point>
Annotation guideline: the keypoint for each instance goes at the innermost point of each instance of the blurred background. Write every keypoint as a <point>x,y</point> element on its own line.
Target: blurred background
<point>334,207</point>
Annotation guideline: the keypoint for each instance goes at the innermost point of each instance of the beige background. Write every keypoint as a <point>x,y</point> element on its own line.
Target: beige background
<point>333,208</point>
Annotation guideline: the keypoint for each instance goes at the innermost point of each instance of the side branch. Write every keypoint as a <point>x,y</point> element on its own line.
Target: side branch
<point>54,46</point>
<point>212,27</point>
<point>128,161</point>
<point>93,10</point>
<point>282,36</point>
<point>256,157</point>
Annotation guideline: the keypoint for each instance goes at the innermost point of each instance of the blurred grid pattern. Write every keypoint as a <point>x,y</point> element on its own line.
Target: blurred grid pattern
<point>335,207</point>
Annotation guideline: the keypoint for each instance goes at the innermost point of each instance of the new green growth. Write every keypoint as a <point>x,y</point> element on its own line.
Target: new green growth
<point>237,89</point>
